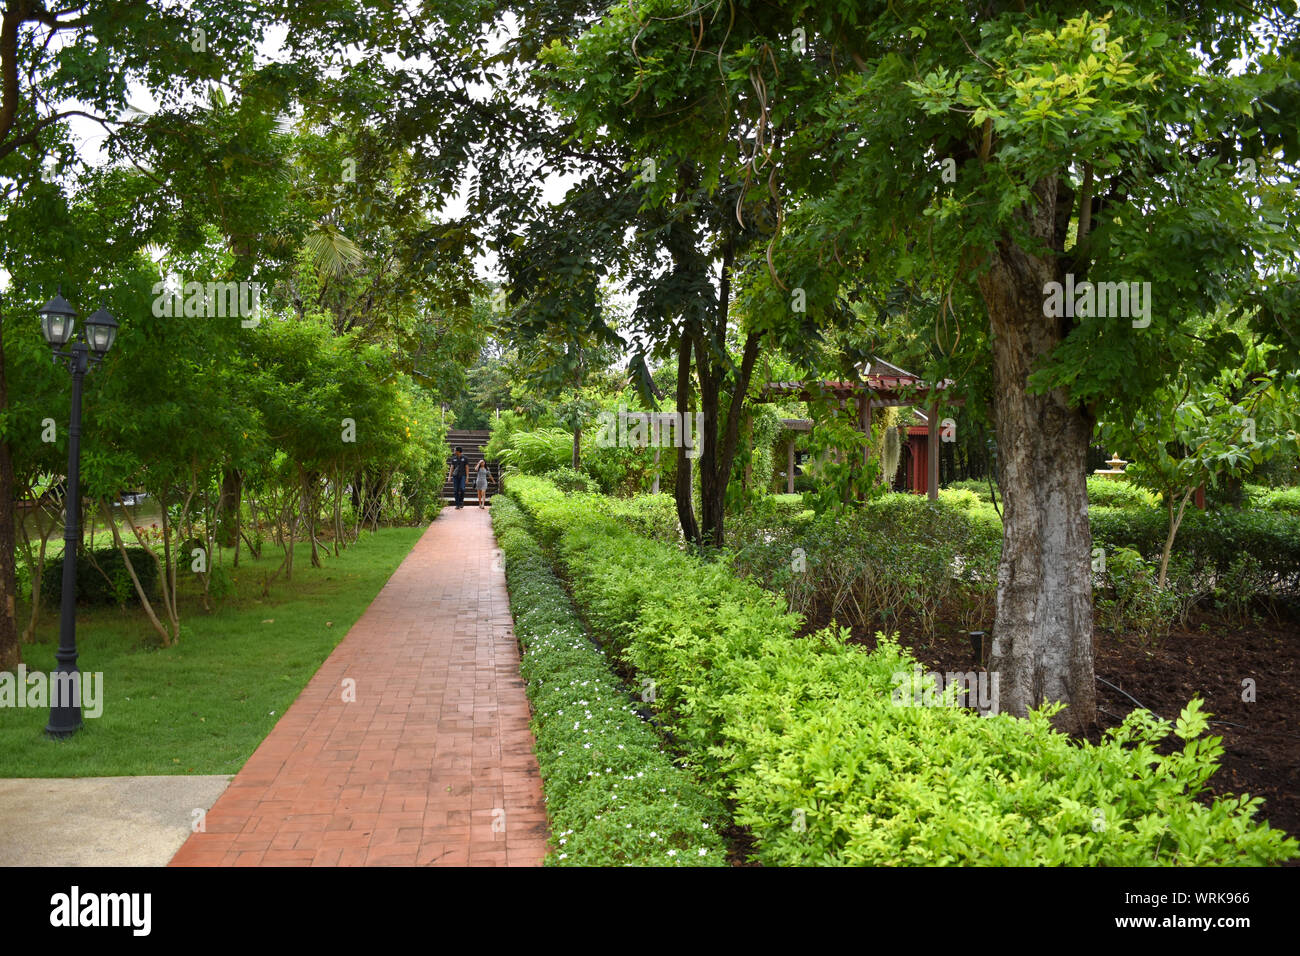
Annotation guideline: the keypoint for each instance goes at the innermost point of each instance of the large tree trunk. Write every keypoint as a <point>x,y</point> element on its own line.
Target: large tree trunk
<point>1042,645</point>
<point>719,446</point>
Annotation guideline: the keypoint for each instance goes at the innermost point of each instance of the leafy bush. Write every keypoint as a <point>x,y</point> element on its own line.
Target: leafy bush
<point>979,487</point>
<point>105,580</point>
<point>898,554</point>
<point>805,737</point>
<point>613,796</point>
<point>1132,601</point>
<point>806,483</point>
<point>537,452</point>
<point>1211,543</point>
<point>1275,499</point>
<point>961,498</point>
<point>569,481</point>
<point>623,471</point>
<point>502,429</point>
<point>778,507</point>
<point>1104,493</point>
<point>654,516</point>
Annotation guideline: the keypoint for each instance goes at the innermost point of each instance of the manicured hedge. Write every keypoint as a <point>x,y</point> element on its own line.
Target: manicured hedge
<point>1216,541</point>
<point>805,737</point>
<point>885,564</point>
<point>1102,492</point>
<point>613,796</point>
<point>109,583</point>
<point>1275,499</point>
<point>783,507</point>
<point>566,479</point>
<point>1105,493</point>
<point>654,516</point>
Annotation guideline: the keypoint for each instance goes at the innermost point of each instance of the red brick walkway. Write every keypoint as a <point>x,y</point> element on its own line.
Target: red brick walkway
<point>431,764</point>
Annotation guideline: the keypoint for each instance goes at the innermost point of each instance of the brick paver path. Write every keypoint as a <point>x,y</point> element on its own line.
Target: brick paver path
<point>432,764</point>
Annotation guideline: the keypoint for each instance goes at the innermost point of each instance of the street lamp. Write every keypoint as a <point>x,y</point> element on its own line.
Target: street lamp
<point>58,325</point>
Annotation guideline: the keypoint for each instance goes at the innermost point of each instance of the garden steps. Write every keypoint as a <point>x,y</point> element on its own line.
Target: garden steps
<point>471,442</point>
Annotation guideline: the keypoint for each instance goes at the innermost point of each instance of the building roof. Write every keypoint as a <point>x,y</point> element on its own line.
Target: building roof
<point>889,385</point>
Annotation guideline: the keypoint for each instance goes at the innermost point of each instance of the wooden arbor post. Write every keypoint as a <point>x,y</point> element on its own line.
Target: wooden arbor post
<point>789,467</point>
<point>864,425</point>
<point>932,450</point>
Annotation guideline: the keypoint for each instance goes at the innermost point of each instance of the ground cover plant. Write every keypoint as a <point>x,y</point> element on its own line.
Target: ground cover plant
<point>826,764</point>
<point>1221,624</point>
<point>613,795</point>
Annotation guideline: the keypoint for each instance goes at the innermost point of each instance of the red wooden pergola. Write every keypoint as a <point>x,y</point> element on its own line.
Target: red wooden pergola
<point>883,386</point>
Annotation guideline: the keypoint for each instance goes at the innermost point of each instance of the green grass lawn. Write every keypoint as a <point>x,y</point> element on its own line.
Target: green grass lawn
<point>204,704</point>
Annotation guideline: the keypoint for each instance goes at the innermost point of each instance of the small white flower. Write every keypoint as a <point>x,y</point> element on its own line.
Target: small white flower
<point>703,851</point>
<point>672,852</point>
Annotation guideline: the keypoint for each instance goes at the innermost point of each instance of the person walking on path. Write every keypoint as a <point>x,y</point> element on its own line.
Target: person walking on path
<point>459,468</point>
<point>482,476</point>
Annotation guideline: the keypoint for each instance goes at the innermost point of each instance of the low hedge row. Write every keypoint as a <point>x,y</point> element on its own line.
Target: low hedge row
<point>1215,541</point>
<point>102,578</point>
<point>1102,492</point>
<point>887,564</point>
<point>613,796</point>
<point>1106,493</point>
<point>1274,499</point>
<point>654,516</point>
<point>829,764</point>
<point>1255,552</point>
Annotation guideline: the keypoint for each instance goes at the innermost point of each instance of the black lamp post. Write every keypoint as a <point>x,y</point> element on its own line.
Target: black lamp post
<point>58,322</point>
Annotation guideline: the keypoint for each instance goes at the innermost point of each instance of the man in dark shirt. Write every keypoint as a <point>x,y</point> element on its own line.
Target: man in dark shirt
<point>459,468</point>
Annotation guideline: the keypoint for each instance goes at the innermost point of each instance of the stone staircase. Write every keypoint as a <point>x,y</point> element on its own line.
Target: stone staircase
<point>471,446</point>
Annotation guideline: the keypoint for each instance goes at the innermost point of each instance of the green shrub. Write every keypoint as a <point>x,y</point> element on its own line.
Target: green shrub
<point>976,486</point>
<point>1275,499</point>
<point>780,508</point>
<point>502,429</point>
<point>1104,493</point>
<point>1131,600</point>
<point>537,452</point>
<point>1211,543</point>
<point>806,483</point>
<point>899,554</point>
<point>654,516</point>
<point>806,738</point>
<point>613,796</point>
<point>569,481</point>
<point>960,498</point>
<point>103,580</point>
<point>624,471</point>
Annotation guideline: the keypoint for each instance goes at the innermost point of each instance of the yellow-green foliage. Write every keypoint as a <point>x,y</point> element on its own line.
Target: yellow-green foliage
<point>806,739</point>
